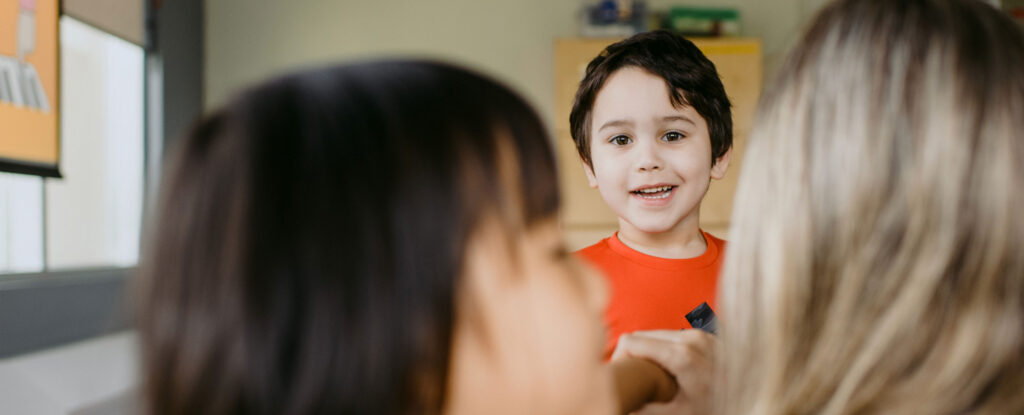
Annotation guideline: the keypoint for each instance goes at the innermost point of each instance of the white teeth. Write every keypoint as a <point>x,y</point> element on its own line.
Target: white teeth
<point>655,189</point>
<point>654,192</point>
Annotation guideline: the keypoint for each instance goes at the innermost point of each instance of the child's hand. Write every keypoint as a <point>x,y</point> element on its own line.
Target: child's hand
<point>688,355</point>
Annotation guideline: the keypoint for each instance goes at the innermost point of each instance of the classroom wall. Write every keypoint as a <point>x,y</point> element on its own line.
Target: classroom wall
<point>248,40</point>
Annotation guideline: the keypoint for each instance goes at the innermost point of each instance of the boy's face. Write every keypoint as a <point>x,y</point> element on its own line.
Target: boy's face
<point>651,160</point>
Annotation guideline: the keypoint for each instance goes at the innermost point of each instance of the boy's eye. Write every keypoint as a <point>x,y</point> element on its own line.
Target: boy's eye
<point>673,136</point>
<point>621,140</point>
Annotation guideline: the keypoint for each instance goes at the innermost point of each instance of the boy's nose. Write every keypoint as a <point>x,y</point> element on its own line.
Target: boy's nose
<point>650,165</point>
<point>648,158</point>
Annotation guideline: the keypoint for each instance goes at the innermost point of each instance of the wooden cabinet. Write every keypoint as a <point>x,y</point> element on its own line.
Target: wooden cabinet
<point>585,216</point>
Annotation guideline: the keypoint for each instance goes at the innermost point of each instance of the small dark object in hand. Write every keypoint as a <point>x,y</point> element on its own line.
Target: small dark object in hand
<point>703,317</point>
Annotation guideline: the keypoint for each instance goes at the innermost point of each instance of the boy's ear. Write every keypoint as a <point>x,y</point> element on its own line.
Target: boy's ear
<point>591,178</point>
<point>721,165</point>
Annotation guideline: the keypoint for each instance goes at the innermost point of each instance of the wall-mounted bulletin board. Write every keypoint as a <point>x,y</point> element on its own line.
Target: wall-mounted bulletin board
<point>29,96</point>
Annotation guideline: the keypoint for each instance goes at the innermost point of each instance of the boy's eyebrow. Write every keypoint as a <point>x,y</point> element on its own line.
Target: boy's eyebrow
<point>682,118</point>
<point>615,123</point>
<point>628,123</point>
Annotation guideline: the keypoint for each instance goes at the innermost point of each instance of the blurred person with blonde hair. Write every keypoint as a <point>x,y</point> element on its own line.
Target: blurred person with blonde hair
<point>876,264</point>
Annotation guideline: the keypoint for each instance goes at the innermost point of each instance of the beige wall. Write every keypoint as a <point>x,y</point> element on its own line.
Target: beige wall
<point>511,40</point>
<point>248,40</point>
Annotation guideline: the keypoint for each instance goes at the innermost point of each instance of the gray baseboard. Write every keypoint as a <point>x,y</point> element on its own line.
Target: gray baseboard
<point>44,310</point>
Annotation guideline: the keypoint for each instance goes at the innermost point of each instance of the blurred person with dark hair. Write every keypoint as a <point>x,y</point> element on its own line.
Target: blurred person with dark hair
<point>378,238</point>
<point>375,238</point>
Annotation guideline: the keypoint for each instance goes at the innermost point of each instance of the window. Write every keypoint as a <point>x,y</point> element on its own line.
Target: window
<point>92,215</point>
<point>21,223</point>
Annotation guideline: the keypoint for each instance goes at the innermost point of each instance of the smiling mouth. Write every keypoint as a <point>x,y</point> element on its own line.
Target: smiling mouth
<point>654,193</point>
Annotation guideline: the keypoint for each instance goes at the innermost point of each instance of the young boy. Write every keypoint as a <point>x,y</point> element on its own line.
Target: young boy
<point>653,126</point>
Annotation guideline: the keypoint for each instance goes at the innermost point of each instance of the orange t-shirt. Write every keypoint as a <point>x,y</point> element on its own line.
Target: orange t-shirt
<point>652,293</point>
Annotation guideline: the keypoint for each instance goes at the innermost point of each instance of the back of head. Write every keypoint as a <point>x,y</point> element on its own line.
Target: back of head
<point>310,235</point>
<point>876,263</point>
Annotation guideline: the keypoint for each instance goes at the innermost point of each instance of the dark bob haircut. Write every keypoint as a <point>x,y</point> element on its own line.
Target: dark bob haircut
<point>691,78</point>
<point>309,239</point>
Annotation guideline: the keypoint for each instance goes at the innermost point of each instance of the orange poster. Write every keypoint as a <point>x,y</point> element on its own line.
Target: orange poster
<point>29,95</point>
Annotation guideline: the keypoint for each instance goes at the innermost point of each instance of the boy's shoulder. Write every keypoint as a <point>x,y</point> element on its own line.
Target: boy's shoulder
<point>597,250</point>
<point>610,252</point>
<point>712,239</point>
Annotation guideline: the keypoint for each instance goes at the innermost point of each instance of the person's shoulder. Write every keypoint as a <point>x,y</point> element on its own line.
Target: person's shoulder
<point>712,239</point>
<point>716,249</point>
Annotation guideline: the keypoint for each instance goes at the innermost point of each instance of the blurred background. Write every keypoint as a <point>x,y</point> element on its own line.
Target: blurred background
<point>134,74</point>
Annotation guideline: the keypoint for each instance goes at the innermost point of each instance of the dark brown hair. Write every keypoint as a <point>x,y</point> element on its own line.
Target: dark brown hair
<point>691,78</point>
<point>309,239</point>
